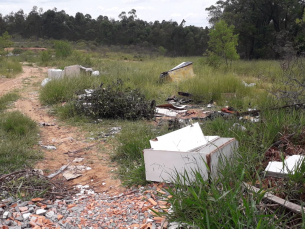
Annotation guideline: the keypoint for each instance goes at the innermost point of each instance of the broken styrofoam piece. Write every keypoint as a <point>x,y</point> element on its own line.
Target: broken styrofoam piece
<point>45,81</point>
<point>291,164</point>
<point>237,126</point>
<point>248,85</point>
<point>89,91</point>
<point>55,73</point>
<point>168,112</point>
<point>185,139</point>
<point>86,69</point>
<point>95,73</point>
<point>50,147</point>
<point>41,212</point>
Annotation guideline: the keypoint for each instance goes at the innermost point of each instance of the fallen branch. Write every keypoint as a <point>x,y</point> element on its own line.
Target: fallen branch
<point>62,168</point>
<point>285,203</point>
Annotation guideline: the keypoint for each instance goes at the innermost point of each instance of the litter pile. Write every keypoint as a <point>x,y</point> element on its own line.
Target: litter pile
<point>136,208</point>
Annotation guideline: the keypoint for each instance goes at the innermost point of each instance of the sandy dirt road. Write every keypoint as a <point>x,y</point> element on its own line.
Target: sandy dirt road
<point>64,137</point>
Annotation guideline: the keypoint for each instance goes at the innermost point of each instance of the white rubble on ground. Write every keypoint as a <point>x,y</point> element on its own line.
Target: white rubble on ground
<point>289,165</point>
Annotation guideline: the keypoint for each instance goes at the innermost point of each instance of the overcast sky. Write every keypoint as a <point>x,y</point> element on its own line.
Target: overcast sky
<point>193,12</point>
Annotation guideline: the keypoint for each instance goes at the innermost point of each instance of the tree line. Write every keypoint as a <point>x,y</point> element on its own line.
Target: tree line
<point>172,37</point>
<point>265,28</point>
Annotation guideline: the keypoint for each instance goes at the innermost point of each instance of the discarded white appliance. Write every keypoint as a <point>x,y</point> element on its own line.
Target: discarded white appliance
<point>75,70</point>
<point>55,73</point>
<point>282,168</point>
<point>186,150</point>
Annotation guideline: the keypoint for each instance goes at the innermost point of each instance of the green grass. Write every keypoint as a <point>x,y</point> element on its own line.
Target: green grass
<point>18,135</point>
<point>64,89</point>
<point>6,99</point>
<point>9,67</point>
<point>133,138</point>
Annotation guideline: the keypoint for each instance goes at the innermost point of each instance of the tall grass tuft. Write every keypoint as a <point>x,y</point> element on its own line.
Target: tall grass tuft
<point>6,99</point>
<point>9,67</point>
<point>63,89</point>
<point>18,135</point>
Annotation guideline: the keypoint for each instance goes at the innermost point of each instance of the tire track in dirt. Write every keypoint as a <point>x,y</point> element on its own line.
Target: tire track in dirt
<point>64,137</point>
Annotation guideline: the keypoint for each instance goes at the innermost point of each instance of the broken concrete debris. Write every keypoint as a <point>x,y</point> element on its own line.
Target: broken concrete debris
<point>74,171</point>
<point>186,150</point>
<point>178,73</point>
<point>88,209</point>
<point>290,165</point>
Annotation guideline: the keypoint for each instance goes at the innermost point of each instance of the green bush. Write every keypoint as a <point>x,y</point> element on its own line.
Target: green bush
<point>63,49</point>
<point>17,51</point>
<point>115,101</point>
<point>45,56</point>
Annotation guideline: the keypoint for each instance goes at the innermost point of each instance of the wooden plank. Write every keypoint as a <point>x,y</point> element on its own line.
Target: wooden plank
<point>285,203</point>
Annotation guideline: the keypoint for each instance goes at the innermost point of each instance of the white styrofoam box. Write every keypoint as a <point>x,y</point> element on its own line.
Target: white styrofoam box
<point>73,70</point>
<point>186,150</point>
<point>161,165</point>
<point>279,168</point>
<point>55,73</point>
<point>218,151</point>
<point>184,139</point>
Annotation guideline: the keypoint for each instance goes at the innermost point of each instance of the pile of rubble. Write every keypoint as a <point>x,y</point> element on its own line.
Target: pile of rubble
<point>135,208</point>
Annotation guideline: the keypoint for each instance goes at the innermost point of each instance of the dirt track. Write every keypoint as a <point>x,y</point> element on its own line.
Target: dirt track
<point>64,137</point>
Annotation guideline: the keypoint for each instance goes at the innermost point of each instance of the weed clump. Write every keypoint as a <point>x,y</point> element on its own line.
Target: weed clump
<point>115,102</point>
<point>18,135</point>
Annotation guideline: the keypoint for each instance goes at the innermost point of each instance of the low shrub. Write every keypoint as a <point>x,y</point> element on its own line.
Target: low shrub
<point>115,101</point>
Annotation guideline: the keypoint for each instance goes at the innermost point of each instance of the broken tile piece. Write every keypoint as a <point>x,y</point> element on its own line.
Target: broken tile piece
<point>78,160</point>
<point>70,175</point>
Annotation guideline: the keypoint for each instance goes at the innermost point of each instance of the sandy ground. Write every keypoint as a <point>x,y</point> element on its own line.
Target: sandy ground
<point>64,137</point>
